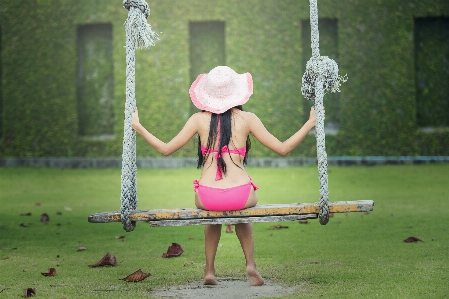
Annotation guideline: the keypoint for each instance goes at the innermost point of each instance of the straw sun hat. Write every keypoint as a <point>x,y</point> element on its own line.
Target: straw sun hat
<point>221,89</point>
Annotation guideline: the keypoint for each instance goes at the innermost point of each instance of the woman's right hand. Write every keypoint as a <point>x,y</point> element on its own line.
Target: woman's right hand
<point>312,116</point>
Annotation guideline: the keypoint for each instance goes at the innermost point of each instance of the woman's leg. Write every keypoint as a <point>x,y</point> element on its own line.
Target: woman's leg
<point>212,233</point>
<point>244,232</point>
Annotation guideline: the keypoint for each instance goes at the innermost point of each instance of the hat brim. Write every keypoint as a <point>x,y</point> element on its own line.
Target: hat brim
<point>239,96</point>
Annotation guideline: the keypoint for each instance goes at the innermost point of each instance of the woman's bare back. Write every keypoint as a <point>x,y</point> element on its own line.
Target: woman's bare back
<point>235,172</point>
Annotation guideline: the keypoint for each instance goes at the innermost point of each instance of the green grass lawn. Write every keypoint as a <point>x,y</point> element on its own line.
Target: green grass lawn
<point>355,256</point>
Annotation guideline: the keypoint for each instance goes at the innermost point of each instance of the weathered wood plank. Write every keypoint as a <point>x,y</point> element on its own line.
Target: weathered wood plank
<point>257,211</point>
<point>230,220</point>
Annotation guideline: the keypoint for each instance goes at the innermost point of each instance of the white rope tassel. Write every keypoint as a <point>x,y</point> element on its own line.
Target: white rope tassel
<point>139,30</point>
<point>138,35</point>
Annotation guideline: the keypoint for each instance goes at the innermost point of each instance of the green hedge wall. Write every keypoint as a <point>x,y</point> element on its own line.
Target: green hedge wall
<point>377,106</point>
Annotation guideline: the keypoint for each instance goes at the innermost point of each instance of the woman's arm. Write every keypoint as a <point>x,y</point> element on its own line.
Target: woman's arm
<point>166,149</point>
<point>282,148</point>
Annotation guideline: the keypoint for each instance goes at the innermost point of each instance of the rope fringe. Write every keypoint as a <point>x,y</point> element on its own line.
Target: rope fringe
<point>136,24</point>
<point>321,66</point>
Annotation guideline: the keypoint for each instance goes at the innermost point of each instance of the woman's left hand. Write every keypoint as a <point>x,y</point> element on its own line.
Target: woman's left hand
<point>135,120</point>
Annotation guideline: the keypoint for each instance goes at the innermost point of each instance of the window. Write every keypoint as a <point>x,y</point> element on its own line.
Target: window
<point>328,29</point>
<point>432,72</point>
<point>95,82</point>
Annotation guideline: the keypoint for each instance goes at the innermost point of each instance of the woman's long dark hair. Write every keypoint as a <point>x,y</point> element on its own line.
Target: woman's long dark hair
<point>225,137</point>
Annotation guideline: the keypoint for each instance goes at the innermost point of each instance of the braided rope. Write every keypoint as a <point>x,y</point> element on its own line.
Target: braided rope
<point>321,76</point>
<point>138,35</point>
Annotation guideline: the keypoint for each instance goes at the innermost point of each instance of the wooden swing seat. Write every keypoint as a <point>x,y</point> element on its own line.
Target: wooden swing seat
<point>259,213</point>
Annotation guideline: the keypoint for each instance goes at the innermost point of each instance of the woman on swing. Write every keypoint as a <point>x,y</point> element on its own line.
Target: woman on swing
<point>223,130</point>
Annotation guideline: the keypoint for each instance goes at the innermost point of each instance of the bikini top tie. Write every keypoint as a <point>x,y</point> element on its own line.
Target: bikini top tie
<point>224,149</point>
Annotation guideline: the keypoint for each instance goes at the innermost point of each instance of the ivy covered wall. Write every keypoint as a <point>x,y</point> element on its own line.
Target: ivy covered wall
<point>377,109</point>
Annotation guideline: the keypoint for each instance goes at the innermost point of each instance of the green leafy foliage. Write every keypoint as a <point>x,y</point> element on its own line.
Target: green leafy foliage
<point>374,44</point>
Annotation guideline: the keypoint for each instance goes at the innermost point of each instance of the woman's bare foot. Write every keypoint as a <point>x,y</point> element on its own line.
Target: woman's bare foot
<point>229,228</point>
<point>254,277</point>
<point>209,279</point>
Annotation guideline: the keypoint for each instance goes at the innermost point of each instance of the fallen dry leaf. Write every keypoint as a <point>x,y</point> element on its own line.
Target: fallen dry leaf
<point>412,239</point>
<point>107,260</point>
<point>45,218</point>
<point>5,258</point>
<point>29,292</point>
<point>26,214</point>
<point>38,204</point>
<point>303,221</point>
<point>278,226</point>
<point>174,250</point>
<point>81,248</point>
<point>51,272</point>
<point>119,237</point>
<point>136,276</point>
<point>58,213</point>
<point>23,225</point>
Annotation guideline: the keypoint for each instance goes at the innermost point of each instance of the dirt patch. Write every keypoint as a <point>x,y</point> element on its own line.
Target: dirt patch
<point>227,288</point>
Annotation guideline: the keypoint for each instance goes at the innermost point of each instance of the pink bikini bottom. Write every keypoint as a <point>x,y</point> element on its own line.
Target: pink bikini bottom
<point>223,199</point>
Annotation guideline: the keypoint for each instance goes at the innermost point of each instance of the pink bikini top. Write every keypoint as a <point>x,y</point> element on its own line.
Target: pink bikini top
<point>225,149</point>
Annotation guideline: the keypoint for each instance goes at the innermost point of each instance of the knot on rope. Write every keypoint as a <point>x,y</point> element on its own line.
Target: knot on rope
<point>328,69</point>
<point>142,5</point>
<point>137,27</point>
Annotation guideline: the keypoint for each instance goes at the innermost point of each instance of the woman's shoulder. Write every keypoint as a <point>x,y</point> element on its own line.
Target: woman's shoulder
<point>202,115</point>
<point>246,115</point>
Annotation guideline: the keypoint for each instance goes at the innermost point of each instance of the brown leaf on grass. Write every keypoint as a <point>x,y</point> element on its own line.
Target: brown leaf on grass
<point>38,204</point>
<point>5,258</point>
<point>174,250</point>
<point>51,272</point>
<point>45,218</point>
<point>29,292</point>
<point>136,276</point>
<point>25,214</point>
<point>303,221</point>
<point>119,237</point>
<point>58,213</point>
<point>107,260</point>
<point>23,225</point>
<point>278,226</point>
<point>81,248</point>
<point>412,239</point>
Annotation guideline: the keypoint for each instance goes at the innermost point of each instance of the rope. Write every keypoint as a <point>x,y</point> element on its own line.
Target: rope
<point>138,35</point>
<point>321,76</point>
